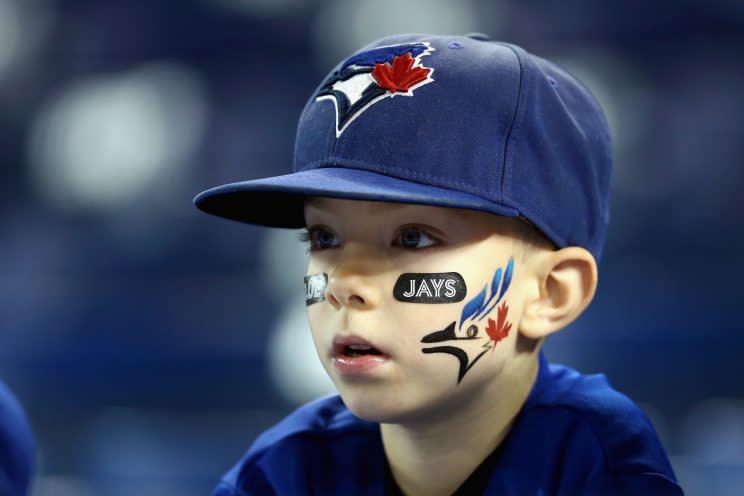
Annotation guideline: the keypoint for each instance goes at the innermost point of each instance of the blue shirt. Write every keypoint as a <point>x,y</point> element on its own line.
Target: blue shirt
<point>574,435</point>
<point>16,446</point>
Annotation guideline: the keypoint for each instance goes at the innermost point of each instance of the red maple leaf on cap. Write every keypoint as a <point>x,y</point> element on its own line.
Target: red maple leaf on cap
<point>498,331</point>
<point>401,75</point>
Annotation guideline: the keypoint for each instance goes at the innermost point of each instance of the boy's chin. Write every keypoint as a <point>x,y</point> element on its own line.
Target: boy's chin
<point>375,410</point>
<point>388,408</point>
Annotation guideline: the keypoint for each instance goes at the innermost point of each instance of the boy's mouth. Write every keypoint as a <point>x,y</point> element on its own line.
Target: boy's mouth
<point>354,357</point>
<point>354,347</point>
<point>357,350</point>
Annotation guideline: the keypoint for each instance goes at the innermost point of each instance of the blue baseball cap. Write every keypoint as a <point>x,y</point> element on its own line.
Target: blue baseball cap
<point>451,121</point>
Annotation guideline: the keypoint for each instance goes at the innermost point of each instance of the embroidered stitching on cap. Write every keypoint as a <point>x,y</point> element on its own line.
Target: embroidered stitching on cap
<point>373,75</point>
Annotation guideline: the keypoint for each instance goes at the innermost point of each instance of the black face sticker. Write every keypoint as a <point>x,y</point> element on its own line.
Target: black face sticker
<point>315,288</point>
<point>436,287</point>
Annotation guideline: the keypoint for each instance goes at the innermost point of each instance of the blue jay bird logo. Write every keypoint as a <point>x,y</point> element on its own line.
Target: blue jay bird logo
<point>368,77</point>
<point>475,311</point>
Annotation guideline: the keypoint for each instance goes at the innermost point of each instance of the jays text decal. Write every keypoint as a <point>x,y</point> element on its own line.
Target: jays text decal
<point>368,77</point>
<point>439,287</point>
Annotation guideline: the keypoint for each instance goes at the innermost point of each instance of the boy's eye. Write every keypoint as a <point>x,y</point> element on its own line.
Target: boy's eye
<point>415,238</point>
<point>320,238</point>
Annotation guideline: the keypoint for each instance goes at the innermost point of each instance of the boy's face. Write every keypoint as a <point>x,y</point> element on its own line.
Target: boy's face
<point>420,311</point>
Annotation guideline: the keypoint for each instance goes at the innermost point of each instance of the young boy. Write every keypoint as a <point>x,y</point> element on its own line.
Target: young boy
<point>455,195</point>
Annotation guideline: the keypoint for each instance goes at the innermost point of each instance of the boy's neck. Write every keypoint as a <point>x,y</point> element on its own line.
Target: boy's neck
<point>435,458</point>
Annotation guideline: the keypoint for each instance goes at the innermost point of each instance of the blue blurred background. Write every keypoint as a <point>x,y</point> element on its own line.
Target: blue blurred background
<point>150,343</point>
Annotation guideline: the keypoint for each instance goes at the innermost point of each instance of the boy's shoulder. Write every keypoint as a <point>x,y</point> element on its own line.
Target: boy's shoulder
<point>589,400</point>
<point>587,427</point>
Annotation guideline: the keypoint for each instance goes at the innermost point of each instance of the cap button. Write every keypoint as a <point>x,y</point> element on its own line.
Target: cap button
<point>478,36</point>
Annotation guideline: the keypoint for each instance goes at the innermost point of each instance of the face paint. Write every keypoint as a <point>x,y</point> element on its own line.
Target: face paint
<point>477,308</point>
<point>437,287</point>
<point>498,331</point>
<point>446,335</point>
<point>315,288</point>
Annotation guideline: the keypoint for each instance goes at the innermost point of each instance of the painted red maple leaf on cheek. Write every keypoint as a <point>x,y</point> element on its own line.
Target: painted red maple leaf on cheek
<point>401,75</point>
<point>499,330</point>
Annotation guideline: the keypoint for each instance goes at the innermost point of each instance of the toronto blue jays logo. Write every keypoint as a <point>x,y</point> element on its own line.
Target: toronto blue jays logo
<point>473,312</point>
<point>368,77</point>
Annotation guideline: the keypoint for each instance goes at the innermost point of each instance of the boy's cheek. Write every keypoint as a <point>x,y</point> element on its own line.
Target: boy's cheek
<point>481,325</point>
<point>314,266</point>
<point>417,320</point>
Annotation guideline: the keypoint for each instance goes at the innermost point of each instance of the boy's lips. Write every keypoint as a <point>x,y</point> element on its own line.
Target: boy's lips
<point>355,356</point>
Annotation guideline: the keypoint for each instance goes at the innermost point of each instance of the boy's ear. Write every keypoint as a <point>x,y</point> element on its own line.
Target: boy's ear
<point>566,282</point>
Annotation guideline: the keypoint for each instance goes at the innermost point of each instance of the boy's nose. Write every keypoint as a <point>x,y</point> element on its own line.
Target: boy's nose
<point>352,284</point>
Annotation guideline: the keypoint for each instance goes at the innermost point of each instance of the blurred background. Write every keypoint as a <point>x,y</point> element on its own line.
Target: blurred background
<point>150,343</point>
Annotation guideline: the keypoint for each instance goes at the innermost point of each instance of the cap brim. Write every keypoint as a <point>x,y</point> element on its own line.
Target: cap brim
<point>279,201</point>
